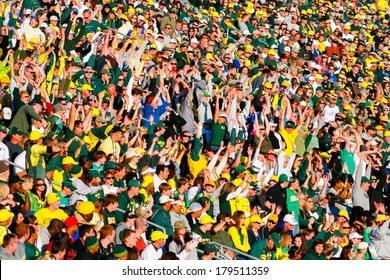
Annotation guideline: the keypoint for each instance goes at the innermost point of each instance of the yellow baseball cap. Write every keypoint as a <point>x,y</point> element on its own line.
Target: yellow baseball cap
<point>35,135</point>
<point>52,197</point>
<point>157,235</point>
<point>206,219</point>
<point>5,215</point>
<point>69,160</point>
<point>86,87</point>
<point>271,52</point>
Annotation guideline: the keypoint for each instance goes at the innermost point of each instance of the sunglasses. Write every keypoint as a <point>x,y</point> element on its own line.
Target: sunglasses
<point>272,222</point>
<point>38,185</point>
<point>346,227</point>
<point>109,178</point>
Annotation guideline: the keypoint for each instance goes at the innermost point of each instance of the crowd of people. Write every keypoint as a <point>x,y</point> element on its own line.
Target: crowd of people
<point>194,129</point>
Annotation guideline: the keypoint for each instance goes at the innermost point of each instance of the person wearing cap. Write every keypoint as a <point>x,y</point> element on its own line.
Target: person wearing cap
<point>72,227</point>
<point>161,215</point>
<point>26,114</point>
<point>63,173</point>
<point>154,250</point>
<point>92,249</point>
<point>56,121</point>
<point>266,249</point>
<point>51,211</point>
<point>67,190</point>
<point>6,218</point>
<point>92,188</point>
<point>4,152</point>
<point>278,192</point>
<point>21,196</point>
<point>176,213</point>
<point>380,237</point>
<point>202,231</point>
<point>183,244</point>
<point>128,200</point>
<point>360,195</point>
<point>209,252</point>
<point>194,213</point>
<point>289,131</point>
<point>111,145</point>
<point>120,253</point>
<point>169,19</point>
<point>13,144</point>
<point>100,131</point>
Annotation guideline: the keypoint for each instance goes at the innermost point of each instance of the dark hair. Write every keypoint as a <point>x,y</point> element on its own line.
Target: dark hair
<point>169,256</point>
<point>294,252</point>
<point>344,253</point>
<point>84,229</point>
<point>58,246</point>
<point>203,201</point>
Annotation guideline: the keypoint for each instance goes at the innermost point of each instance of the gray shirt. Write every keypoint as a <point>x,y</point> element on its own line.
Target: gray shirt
<point>380,238</point>
<point>5,255</point>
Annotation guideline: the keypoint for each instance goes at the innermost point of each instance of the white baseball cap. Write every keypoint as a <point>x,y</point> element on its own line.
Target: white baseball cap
<point>354,235</point>
<point>288,218</point>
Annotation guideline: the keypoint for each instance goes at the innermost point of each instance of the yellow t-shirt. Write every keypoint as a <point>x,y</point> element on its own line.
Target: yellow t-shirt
<point>109,147</point>
<point>37,151</point>
<point>44,216</point>
<point>289,138</point>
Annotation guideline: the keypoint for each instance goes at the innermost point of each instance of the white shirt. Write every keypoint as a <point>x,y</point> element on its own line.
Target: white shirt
<point>150,253</point>
<point>157,182</point>
<point>4,152</point>
<point>109,189</point>
<point>20,160</point>
<point>330,113</point>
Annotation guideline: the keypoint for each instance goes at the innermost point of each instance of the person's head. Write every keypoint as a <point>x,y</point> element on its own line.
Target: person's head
<point>318,246</point>
<point>107,232</point>
<point>162,171</point>
<point>158,238</point>
<point>10,242</point>
<point>195,210</point>
<point>86,230</point>
<point>22,231</point>
<point>55,226</point>
<point>58,249</point>
<point>285,240</point>
<point>108,179</point>
<point>294,253</point>
<point>129,238</point>
<point>348,253</point>
<point>238,218</point>
<point>206,223</point>
<point>111,202</point>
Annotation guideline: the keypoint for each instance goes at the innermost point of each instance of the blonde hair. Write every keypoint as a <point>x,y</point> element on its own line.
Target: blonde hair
<point>4,190</point>
<point>27,179</point>
<point>285,240</point>
<point>47,257</point>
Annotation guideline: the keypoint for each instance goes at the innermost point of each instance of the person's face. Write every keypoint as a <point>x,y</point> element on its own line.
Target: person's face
<point>160,243</point>
<point>135,191</point>
<point>298,241</point>
<point>87,17</point>
<point>345,227</point>
<point>131,240</point>
<point>109,179</point>
<point>270,243</point>
<point>319,248</point>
